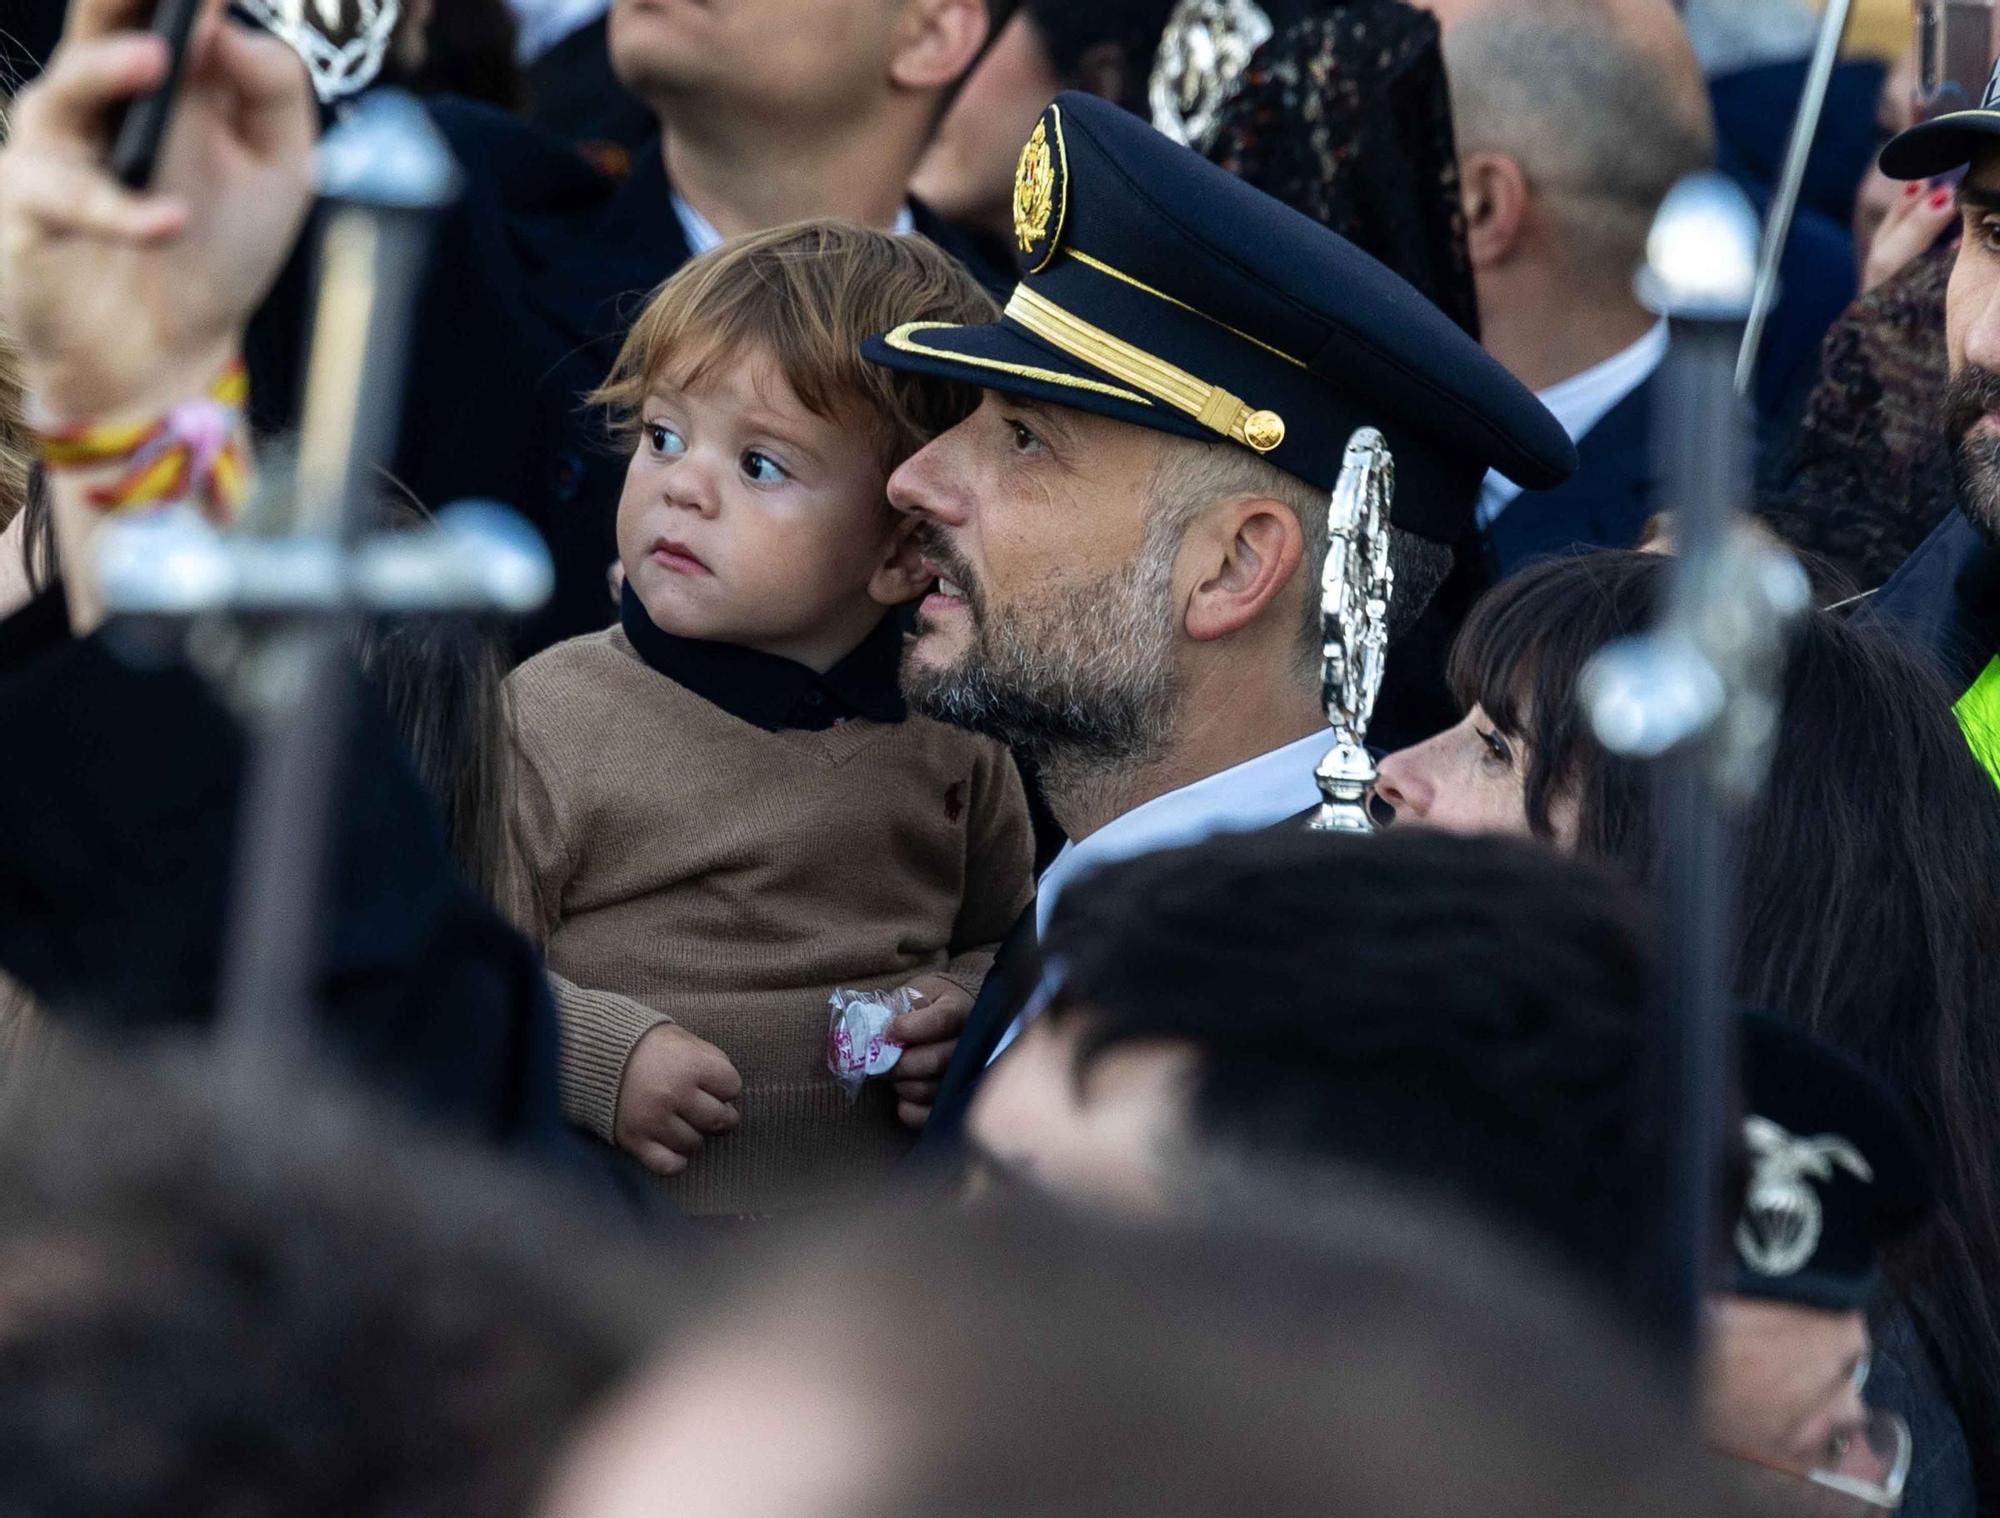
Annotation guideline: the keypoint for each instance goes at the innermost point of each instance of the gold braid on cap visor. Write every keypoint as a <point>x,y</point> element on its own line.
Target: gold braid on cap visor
<point>1211,405</point>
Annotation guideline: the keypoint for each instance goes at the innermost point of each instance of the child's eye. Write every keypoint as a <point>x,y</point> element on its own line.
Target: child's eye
<point>664,441</point>
<point>762,469</point>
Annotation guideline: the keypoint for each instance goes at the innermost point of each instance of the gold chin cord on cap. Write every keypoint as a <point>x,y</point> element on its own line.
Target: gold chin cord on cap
<point>1211,405</point>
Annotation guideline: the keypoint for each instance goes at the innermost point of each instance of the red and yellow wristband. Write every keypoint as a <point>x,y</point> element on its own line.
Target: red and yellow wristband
<point>193,453</point>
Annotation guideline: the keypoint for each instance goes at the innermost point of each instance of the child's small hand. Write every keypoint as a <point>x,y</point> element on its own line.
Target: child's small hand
<point>928,1033</point>
<point>677,1091</point>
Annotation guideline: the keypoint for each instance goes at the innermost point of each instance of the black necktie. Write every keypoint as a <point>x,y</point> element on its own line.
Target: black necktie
<point>992,1014</point>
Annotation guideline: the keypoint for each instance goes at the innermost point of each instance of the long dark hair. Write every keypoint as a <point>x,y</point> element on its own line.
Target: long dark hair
<point>1867,905</point>
<point>441,677</point>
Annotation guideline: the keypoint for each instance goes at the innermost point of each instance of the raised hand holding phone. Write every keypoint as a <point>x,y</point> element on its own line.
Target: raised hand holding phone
<point>118,298</point>
<point>142,125</point>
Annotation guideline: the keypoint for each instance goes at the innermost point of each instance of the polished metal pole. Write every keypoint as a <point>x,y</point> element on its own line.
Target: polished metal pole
<point>384,173</point>
<point>1699,696</point>
<point>1785,202</point>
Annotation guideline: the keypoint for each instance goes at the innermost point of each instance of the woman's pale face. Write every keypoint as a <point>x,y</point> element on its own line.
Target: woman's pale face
<point>1471,778</point>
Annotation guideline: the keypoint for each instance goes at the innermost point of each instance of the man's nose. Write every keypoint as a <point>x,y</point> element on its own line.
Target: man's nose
<point>1403,782</point>
<point>921,486</point>
<point>1982,336</point>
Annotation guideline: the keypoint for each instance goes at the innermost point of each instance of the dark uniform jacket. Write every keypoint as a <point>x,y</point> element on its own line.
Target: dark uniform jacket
<point>1946,600</point>
<point>537,273</point>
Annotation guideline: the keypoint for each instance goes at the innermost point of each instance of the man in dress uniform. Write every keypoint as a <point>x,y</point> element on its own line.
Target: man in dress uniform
<point>1834,1176</point>
<point>1128,530</point>
<point>1947,594</point>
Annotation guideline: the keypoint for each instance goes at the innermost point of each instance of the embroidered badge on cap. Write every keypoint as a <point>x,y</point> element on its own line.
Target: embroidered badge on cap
<point>1041,193</point>
<point>1782,1217</point>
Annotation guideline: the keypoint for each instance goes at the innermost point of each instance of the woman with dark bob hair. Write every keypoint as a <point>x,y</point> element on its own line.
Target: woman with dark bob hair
<point>1868,895</point>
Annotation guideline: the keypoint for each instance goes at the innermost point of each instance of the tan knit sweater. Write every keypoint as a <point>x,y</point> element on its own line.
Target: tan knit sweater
<point>681,865</point>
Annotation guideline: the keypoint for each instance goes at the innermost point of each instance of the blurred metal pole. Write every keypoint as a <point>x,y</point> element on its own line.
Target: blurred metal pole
<point>1699,693</point>
<point>1785,202</point>
<point>385,172</point>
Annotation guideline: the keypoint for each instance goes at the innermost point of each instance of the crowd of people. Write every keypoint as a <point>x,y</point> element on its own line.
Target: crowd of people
<point>840,1011</point>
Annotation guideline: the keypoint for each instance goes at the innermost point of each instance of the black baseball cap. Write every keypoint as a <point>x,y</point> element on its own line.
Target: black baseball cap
<point>1946,142</point>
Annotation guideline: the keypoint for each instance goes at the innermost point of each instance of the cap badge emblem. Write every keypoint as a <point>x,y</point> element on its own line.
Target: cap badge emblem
<point>1782,1215</point>
<point>1201,58</point>
<point>1041,193</point>
<point>1034,190</point>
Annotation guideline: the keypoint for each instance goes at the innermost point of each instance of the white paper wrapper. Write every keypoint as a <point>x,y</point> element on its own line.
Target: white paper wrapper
<point>857,1037</point>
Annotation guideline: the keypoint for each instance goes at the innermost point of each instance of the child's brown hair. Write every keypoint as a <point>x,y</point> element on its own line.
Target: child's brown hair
<point>810,293</point>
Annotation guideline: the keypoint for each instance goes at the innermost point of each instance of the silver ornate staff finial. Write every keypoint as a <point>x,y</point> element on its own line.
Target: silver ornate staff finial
<point>1355,589</point>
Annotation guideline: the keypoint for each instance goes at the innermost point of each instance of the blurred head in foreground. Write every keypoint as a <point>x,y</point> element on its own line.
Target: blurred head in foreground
<point>235,1307</point>
<point>1011,1362</point>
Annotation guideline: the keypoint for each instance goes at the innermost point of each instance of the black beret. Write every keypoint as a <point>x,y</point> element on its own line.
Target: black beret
<point>1161,290</point>
<point>1946,142</point>
<point>1835,1171</point>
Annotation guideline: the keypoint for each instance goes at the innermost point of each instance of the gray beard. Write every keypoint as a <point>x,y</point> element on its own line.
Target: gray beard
<point>1081,679</point>
<point>1975,468</point>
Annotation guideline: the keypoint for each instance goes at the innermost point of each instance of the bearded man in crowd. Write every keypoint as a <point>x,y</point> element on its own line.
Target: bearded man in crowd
<point>1129,529</point>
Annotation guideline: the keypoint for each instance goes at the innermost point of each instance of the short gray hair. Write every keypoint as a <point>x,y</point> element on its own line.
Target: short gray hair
<point>1189,476</point>
<point>1601,123</point>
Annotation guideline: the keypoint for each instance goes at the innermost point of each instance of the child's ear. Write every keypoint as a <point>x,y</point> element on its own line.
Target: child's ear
<point>900,576</point>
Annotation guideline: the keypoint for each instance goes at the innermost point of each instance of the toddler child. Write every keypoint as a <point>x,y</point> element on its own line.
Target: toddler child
<point>722,810</point>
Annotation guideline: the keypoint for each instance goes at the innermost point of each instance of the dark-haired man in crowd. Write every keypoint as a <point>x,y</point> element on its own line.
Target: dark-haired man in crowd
<point>1128,531</point>
<point>1947,594</point>
<point>1235,1025</point>
<point>765,112</point>
<point>1462,1014</point>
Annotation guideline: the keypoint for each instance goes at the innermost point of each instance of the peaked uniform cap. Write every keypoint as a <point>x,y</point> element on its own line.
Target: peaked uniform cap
<point>1835,1171</point>
<point>1159,289</point>
<point>1946,142</point>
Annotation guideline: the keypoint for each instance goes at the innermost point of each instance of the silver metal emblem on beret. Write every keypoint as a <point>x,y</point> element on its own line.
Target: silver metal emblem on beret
<point>343,42</point>
<point>1202,55</point>
<point>1355,587</point>
<point>1782,1215</point>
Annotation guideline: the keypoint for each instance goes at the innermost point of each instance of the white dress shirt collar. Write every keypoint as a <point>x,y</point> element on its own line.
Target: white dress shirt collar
<point>701,234</point>
<point>1258,793</point>
<point>1580,403</point>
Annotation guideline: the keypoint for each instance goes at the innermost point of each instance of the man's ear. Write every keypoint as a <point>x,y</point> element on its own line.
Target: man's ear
<point>1247,554</point>
<point>1495,190</point>
<point>900,576</point>
<point>937,42</point>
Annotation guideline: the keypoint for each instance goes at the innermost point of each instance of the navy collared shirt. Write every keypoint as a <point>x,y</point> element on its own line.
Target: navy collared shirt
<point>772,692</point>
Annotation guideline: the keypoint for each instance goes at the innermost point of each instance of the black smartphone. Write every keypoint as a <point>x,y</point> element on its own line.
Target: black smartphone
<point>135,141</point>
